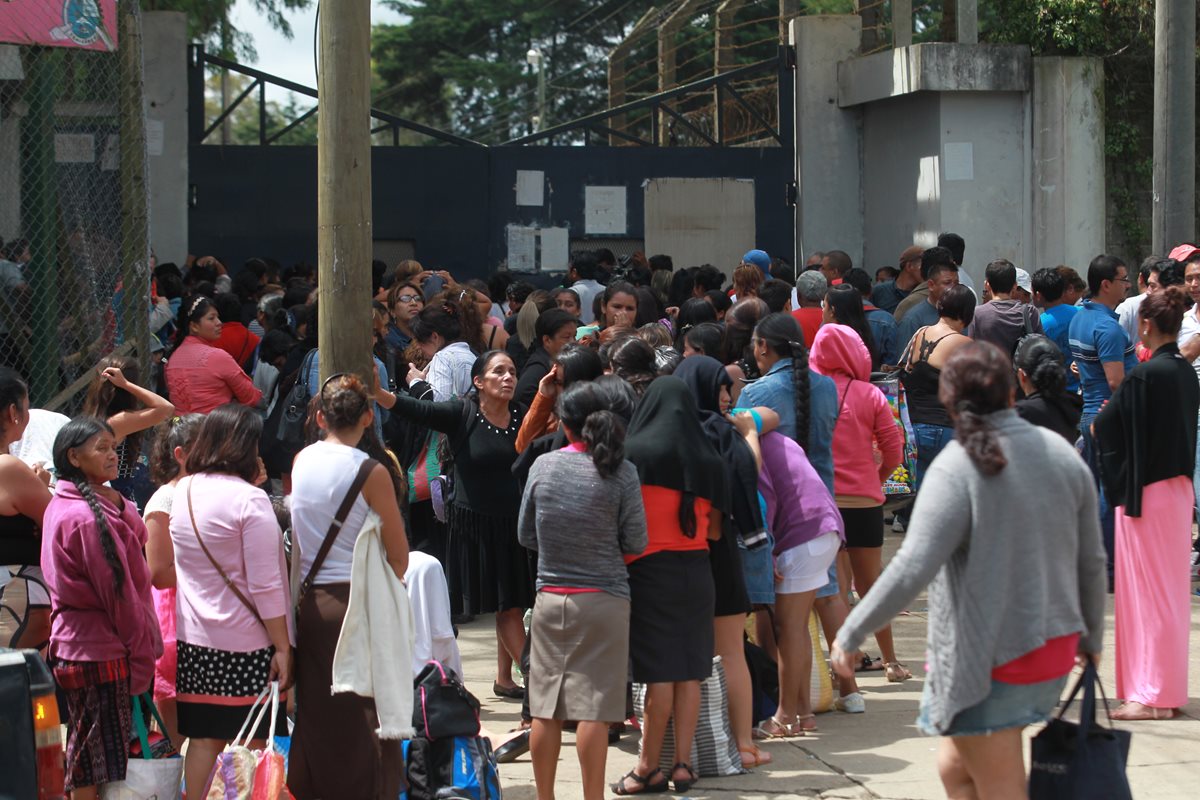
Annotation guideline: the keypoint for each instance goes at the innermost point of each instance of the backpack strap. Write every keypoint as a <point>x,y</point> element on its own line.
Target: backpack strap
<point>335,527</point>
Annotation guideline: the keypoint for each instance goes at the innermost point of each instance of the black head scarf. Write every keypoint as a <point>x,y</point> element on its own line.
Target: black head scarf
<point>705,376</point>
<point>667,444</point>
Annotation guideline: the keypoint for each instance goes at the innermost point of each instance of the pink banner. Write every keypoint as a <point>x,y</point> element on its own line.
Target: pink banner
<point>89,24</point>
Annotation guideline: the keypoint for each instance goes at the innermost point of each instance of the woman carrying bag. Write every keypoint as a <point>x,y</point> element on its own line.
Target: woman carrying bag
<point>336,486</point>
<point>233,626</point>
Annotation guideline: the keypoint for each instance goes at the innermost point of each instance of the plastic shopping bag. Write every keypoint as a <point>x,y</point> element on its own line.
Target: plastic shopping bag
<point>244,774</point>
<point>155,771</point>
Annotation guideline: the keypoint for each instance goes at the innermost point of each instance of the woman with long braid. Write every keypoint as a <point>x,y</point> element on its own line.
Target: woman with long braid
<point>104,638</point>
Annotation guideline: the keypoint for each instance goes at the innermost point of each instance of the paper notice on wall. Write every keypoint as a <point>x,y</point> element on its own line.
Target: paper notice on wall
<point>522,248</point>
<point>110,159</point>
<point>604,210</point>
<point>531,187</point>
<point>959,161</point>
<point>154,137</point>
<point>74,148</point>
<point>556,249</point>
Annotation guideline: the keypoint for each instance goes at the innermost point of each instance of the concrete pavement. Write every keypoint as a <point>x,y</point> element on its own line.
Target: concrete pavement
<point>878,754</point>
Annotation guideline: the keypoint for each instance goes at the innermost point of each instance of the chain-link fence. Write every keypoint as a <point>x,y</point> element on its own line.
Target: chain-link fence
<point>74,274</point>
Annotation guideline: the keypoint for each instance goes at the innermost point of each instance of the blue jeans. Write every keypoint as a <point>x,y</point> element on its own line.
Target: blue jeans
<point>1091,454</point>
<point>931,439</point>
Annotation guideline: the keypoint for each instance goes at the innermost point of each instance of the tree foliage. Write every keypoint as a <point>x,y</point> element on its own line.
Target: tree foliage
<point>209,22</point>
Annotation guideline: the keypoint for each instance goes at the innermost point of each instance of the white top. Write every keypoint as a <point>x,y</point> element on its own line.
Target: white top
<point>449,372</point>
<point>587,291</point>
<point>321,476</point>
<point>1190,328</point>
<point>36,446</point>
<point>162,500</point>
<point>1127,315</point>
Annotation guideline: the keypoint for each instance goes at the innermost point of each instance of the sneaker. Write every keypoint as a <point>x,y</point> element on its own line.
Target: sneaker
<point>897,525</point>
<point>851,704</point>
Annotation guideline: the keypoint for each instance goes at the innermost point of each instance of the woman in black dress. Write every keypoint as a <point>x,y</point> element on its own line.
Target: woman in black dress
<point>488,567</point>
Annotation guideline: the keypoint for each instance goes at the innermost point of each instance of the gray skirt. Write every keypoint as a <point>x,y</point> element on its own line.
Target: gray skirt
<point>578,656</point>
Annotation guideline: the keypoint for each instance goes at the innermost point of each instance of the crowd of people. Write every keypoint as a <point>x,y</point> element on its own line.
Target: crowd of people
<point>644,456</point>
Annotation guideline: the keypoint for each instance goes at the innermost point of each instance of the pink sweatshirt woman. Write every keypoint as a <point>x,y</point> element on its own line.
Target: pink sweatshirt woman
<point>864,420</point>
<point>92,620</point>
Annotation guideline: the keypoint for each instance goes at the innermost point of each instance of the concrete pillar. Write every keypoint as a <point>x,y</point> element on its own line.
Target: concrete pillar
<point>902,23</point>
<point>967,21</point>
<point>164,37</point>
<point>1174,196</point>
<point>1068,161</point>
<point>829,211</point>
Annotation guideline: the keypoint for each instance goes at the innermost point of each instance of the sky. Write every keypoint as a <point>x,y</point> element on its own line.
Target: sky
<point>291,59</point>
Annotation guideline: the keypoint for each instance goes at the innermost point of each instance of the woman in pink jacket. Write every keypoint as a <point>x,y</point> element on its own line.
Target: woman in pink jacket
<point>104,638</point>
<point>865,427</point>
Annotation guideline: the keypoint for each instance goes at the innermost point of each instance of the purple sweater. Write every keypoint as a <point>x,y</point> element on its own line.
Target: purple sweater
<point>91,622</point>
<point>799,507</point>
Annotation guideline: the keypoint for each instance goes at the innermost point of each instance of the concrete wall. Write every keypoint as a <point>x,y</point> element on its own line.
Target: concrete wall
<point>164,35</point>
<point>829,203</point>
<point>1068,161</point>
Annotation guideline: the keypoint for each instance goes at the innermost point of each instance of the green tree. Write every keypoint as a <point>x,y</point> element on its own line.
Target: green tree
<point>243,122</point>
<point>208,22</point>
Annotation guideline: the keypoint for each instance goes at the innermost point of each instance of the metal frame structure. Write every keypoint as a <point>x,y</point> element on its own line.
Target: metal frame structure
<point>198,59</point>
<point>601,128</point>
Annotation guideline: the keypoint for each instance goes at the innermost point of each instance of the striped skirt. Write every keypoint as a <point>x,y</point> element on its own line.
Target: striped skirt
<point>99,720</point>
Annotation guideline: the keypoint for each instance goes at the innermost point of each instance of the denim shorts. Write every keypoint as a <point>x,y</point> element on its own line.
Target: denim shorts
<point>831,588</point>
<point>1009,705</point>
<point>759,571</point>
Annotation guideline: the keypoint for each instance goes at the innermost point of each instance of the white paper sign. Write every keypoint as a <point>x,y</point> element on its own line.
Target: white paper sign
<point>110,159</point>
<point>556,249</point>
<point>530,187</point>
<point>604,209</point>
<point>522,248</point>
<point>959,162</point>
<point>74,148</point>
<point>154,137</point>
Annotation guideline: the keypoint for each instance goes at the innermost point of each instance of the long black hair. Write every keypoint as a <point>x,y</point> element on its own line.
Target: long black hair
<point>584,410</point>
<point>847,305</point>
<point>782,335</point>
<point>13,389</point>
<point>75,434</point>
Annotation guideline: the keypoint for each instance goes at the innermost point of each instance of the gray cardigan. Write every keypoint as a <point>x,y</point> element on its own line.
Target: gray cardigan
<point>1015,559</point>
<point>581,524</point>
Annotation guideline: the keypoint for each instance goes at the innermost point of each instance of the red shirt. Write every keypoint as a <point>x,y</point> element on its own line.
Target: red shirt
<point>663,531</point>
<point>201,377</point>
<point>810,321</point>
<point>237,340</point>
<point>1052,660</point>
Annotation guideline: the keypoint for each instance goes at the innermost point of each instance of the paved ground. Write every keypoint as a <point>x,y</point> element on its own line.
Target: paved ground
<point>876,755</point>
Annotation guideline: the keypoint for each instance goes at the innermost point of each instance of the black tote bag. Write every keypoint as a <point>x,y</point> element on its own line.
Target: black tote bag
<point>1086,760</point>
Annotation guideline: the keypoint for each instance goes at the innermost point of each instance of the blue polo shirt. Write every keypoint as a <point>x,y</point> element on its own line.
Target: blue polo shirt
<point>1056,323</point>
<point>1096,338</point>
<point>774,391</point>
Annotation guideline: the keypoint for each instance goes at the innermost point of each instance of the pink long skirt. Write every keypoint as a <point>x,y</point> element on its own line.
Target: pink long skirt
<point>1153,603</point>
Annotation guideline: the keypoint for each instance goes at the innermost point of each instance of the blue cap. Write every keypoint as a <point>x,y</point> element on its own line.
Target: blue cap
<point>760,259</point>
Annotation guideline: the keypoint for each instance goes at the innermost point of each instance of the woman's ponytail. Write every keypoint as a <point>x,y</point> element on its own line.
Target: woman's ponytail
<point>604,436</point>
<point>977,382</point>
<point>975,434</point>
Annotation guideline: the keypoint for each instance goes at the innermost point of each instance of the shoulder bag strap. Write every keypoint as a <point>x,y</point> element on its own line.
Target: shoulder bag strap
<point>196,530</point>
<point>335,527</point>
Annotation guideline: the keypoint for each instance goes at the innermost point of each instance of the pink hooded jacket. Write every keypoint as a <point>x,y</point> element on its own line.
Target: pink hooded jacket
<point>865,419</point>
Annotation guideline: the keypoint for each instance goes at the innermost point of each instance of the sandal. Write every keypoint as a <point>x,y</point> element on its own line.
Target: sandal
<point>684,785</point>
<point>774,728</point>
<point>806,724</point>
<point>896,672</point>
<point>1133,711</point>
<point>644,784</point>
<point>753,757</point>
<point>869,664</point>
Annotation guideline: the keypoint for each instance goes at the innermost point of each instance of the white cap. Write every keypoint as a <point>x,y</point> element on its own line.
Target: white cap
<point>1024,281</point>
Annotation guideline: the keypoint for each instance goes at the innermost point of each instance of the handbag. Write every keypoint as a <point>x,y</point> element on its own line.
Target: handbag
<point>442,706</point>
<point>295,407</point>
<point>714,750</point>
<point>1072,761</point>
<point>244,774</point>
<point>902,481</point>
<point>155,771</point>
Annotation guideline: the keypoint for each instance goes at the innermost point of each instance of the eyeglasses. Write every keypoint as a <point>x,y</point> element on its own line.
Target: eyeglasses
<point>407,299</point>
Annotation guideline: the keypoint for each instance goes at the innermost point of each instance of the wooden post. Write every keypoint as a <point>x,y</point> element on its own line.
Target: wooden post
<point>344,190</point>
<point>666,59</point>
<point>788,11</point>
<point>871,13</point>
<point>723,59</point>
<point>135,215</point>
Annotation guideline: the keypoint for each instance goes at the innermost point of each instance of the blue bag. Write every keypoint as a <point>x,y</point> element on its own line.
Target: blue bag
<point>458,767</point>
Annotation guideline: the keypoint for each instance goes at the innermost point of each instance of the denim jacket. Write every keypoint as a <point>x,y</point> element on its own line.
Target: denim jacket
<point>774,391</point>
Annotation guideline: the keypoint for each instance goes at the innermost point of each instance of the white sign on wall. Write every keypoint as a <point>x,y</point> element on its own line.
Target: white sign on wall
<point>604,210</point>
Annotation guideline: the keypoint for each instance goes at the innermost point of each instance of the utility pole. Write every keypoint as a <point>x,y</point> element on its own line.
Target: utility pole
<point>135,216</point>
<point>344,190</point>
<point>535,59</point>
<point>1174,190</point>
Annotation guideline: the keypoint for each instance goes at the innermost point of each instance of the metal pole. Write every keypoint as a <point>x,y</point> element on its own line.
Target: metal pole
<point>39,216</point>
<point>543,123</point>
<point>135,219</point>
<point>344,190</point>
<point>1174,195</point>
